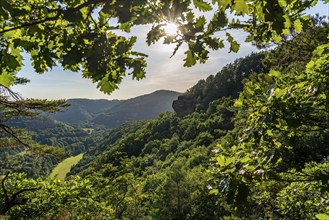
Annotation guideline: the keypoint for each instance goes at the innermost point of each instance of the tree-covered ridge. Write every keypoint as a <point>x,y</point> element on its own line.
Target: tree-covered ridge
<point>113,113</point>
<point>80,136</point>
<point>143,107</point>
<point>226,83</point>
<point>164,161</point>
<point>83,110</point>
<point>203,122</point>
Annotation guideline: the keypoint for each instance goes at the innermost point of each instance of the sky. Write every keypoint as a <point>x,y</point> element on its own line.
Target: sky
<point>162,71</point>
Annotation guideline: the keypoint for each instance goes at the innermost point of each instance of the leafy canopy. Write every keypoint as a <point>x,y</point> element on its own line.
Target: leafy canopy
<point>87,35</point>
<point>276,163</point>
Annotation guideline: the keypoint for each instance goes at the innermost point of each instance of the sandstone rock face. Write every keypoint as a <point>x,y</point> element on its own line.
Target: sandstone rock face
<point>183,105</point>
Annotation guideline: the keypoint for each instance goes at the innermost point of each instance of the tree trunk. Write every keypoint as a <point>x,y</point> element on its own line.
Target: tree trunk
<point>14,199</point>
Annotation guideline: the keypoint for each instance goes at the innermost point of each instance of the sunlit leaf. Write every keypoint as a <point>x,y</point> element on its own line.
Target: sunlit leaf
<point>125,26</point>
<point>322,216</point>
<point>190,59</point>
<point>276,37</point>
<point>221,160</point>
<point>234,46</point>
<point>213,192</point>
<point>202,5</point>
<point>298,26</point>
<point>6,79</point>
<point>241,7</point>
<point>275,73</point>
<point>200,21</point>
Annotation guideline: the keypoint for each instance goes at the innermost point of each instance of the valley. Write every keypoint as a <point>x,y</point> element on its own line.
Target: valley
<point>64,167</point>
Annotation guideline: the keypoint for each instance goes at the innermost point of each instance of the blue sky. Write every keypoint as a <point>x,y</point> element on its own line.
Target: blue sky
<point>162,72</point>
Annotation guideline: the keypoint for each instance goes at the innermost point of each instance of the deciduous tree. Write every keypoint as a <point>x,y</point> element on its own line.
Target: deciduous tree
<point>85,35</point>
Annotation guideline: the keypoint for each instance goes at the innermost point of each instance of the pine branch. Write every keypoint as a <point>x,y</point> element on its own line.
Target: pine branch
<point>9,93</point>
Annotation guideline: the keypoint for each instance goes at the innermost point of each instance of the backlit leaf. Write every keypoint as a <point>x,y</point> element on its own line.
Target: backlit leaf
<point>221,160</point>
<point>213,192</point>
<point>190,59</point>
<point>322,216</point>
<point>201,5</point>
<point>6,79</point>
<point>190,17</point>
<point>200,21</point>
<point>279,92</point>
<point>241,7</point>
<point>298,26</point>
<point>234,46</point>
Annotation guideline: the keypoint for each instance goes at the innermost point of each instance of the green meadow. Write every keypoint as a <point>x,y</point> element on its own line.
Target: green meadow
<point>62,169</point>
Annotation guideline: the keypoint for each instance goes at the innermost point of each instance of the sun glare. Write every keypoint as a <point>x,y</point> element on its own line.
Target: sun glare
<point>170,28</point>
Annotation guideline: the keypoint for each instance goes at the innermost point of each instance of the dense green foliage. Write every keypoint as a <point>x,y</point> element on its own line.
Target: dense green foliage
<point>85,35</point>
<point>46,132</point>
<point>72,199</point>
<point>258,151</point>
<point>276,166</point>
<point>159,168</point>
<point>228,82</point>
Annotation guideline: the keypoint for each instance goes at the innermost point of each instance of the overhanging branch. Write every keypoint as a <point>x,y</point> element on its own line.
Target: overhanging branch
<point>12,133</point>
<point>60,12</point>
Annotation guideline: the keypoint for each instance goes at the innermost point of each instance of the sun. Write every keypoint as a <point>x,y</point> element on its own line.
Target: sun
<point>170,28</point>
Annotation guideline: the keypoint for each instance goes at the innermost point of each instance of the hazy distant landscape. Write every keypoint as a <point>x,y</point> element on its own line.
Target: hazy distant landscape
<point>112,113</point>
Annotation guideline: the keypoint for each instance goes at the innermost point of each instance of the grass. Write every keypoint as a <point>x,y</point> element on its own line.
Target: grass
<point>22,153</point>
<point>62,169</point>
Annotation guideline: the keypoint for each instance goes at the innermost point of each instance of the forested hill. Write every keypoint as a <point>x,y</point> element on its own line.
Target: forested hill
<point>226,83</point>
<point>140,108</point>
<point>112,113</point>
<point>81,127</point>
<point>83,110</point>
<point>171,152</point>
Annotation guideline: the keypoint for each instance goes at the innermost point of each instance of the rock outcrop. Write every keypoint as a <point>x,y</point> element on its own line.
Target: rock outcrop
<point>183,105</point>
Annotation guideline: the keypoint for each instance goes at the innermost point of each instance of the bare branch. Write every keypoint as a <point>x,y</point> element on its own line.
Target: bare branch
<point>14,199</point>
<point>12,133</point>
<point>14,196</point>
<point>4,188</point>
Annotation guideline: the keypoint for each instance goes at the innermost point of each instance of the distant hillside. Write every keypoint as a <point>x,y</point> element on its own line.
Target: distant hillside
<point>83,110</point>
<point>112,113</point>
<point>142,107</point>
